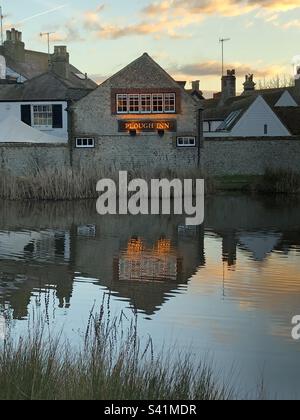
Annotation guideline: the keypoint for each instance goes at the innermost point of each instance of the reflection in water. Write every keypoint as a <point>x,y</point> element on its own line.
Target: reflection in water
<point>231,286</point>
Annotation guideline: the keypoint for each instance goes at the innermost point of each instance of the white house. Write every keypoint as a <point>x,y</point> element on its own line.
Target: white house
<point>262,113</point>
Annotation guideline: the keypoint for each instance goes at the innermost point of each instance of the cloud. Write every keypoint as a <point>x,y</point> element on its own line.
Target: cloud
<point>70,34</point>
<point>213,68</point>
<point>220,7</point>
<point>291,24</point>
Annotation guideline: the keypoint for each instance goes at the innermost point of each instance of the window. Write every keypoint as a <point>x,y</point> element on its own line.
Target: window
<point>85,142</point>
<point>42,115</point>
<point>134,104</point>
<point>122,104</point>
<point>186,141</point>
<point>266,129</point>
<point>158,103</point>
<point>146,104</point>
<point>170,102</point>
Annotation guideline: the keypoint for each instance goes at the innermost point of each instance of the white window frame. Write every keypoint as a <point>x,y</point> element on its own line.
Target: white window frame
<point>151,103</point>
<point>187,141</point>
<point>174,97</point>
<point>124,95</point>
<point>163,101</point>
<point>138,98</point>
<point>161,97</point>
<point>41,126</point>
<point>83,146</point>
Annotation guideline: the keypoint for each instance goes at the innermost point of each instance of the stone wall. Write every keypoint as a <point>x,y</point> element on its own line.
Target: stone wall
<point>232,156</point>
<point>95,116</point>
<point>22,158</point>
<point>143,152</point>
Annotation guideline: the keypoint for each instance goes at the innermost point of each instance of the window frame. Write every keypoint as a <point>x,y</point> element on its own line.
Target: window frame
<point>171,94</point>
<point>149,95</point>
<point>33,112</point>
<point>165,103</point>
<point>183,138</point>
<point>117,103</point>
<point>138,97</point>
<point>83,146</point>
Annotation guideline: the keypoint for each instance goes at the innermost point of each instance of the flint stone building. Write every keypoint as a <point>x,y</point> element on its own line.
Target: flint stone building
<point>139,118</point>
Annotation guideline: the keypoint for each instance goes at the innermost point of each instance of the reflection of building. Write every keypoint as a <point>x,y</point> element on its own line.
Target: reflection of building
<point>141,264</point>
<point>31,261</point>
<point>155,256</point>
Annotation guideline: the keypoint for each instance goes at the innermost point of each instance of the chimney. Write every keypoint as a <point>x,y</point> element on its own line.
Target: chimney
<point>228,85</point>
<point>60,61</point>
<point>249,84</point>
<point>196,85</point>
<point>297,81</point>
<point>13,45</point>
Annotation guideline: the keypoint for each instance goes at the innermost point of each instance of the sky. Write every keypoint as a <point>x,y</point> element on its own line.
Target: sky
<point>182,35</point>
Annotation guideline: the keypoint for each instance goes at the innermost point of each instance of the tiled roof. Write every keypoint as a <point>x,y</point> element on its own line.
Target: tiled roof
<point>47,86</point>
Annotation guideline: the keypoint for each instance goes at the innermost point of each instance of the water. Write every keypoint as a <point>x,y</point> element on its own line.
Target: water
<point>227,290</point>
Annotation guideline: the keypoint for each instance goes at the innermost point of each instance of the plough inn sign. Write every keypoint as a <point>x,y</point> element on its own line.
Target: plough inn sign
<point>148,126</point>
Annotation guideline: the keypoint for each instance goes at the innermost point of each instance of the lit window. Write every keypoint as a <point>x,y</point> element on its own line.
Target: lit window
<point>158,103</point>
<point>186,141</point>
<point>42,116</point>
<point>88,142</point>
<point>122,104</point>
<point>134,104</point>
<point>170,102</point>
<point>146,104</point>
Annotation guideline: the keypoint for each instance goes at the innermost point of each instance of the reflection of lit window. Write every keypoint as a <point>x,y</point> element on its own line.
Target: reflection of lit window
<point>163,246</point>
<point>122,104</point>
<point>135,246</point>
<point>146,104</point>
<point>158,103</point>
<point>134,104</point>
<point>170,103</point>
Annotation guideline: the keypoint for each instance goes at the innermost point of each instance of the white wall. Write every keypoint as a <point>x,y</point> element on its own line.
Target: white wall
<point>252,122</point>
<point>14,109</point>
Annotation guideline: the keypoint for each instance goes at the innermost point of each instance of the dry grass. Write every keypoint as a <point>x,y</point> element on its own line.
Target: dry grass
<point>279,181</point>
<point>71,184</point>
<point>109,365</point>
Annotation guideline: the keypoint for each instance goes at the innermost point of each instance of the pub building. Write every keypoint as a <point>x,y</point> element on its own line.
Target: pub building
<point>140,118</point>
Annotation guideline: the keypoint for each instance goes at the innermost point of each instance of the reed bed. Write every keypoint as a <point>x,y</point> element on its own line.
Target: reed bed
<point>71,184</point>
<point>110,364</point>
<point>280,181</point>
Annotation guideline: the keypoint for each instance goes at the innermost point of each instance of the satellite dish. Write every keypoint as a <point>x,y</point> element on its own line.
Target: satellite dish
<point>2,67</point>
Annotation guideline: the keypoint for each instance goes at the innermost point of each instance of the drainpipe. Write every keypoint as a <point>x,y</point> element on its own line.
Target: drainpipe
<point>200,133</point>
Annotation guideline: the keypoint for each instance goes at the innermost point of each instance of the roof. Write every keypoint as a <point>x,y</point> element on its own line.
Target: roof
<point>290,117</point>
<point>144,71</point>
<point>36,63</point>
<point>232,110</point>
<point>15,131</point>
<point>47,86</point>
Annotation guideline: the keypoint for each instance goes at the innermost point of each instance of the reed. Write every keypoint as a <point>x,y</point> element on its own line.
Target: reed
<point>71,184</point>
<point>110,364</point>
<point>280,181</point>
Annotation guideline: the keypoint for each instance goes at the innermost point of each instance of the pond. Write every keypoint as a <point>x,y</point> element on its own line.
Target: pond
<point>226,290</point>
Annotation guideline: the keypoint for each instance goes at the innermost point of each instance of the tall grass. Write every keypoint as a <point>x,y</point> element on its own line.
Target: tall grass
<point>76,184</point>
<point>280,181</point>
<point>111,364</point>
